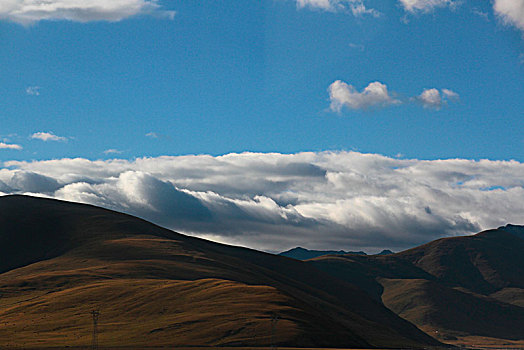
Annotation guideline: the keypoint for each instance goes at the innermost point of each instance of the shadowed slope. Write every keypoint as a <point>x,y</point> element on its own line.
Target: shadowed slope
<point>452,287</point>
<point>483,263</point>
<point>157,287</point>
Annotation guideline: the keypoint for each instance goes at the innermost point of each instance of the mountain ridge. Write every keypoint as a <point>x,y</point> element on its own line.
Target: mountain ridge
<point>300,253</point>
<point>479,279</point>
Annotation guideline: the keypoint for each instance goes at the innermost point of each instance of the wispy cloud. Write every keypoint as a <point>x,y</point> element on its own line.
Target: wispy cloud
<point>480,13</point>
<point>10,146</point>
<point>31,11</point>
<point>152,134</point>
<point>33,90</point>
<point>358,47</point>
<point>47,136</point>
<point>424,6</point>
<point>275,201</point>
<point>112,151</point>
<point>376,94</point>
<point>452,95</point>
<point>356,7</point>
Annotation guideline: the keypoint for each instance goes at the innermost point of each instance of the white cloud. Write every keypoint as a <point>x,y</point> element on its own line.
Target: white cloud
<point>112,151</point>
<point>47,136</point>
<point>323,4</point>
<point>433,98</point>
<point>452,95</point>
<point>10,146</point>
<point>33,90</point>
<point>358,47</point>
<point>480,13</point>
<point>425,5</point>
<point>274,201</point>
<point>152,134</point>
<point>510,11</point>
<point>31,11</point>
<point>356,7</point>
<point>375,94</point>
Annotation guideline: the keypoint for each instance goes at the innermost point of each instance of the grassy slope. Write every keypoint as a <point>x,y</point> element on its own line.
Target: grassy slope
<point>454,288</point>
<point>157,287</point>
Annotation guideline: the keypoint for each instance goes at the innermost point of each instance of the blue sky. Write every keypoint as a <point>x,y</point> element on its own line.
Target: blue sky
<point>234,76</point>
<point>319,123</point>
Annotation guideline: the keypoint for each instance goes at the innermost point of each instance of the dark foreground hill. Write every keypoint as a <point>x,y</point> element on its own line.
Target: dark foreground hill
<point>462,289</point>
<point>154,287</point>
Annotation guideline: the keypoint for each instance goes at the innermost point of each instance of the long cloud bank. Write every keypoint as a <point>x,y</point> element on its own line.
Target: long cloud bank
<point>342,200</point>
<point>31,11</point>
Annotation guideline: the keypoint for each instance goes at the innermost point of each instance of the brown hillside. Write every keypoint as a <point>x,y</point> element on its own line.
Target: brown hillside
<point>483,263</point>
<point>453,288</point>
<point>158,288</point>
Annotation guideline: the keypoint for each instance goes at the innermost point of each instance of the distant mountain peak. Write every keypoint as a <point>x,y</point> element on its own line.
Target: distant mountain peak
<point>300,253</point>
<point>385,252</point>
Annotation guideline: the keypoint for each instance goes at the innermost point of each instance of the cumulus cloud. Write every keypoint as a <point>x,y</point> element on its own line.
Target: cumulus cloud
<point>342,200</point>
<point>510,11</point>
<point>433,98</point>
<point>47,136</point>
<point>31,11</point>
<point>33,182</point>
<point>375,94</point>
<point>425,5</point>
<point>10,146</point>
<point>356,7</point>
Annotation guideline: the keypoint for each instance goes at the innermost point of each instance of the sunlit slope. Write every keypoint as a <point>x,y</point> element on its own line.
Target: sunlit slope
<point>156,287</point>
<point>452,288</point>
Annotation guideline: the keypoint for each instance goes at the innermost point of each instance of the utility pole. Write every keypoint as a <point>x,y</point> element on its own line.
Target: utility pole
<point>274,320</point>
<point>95,314</point>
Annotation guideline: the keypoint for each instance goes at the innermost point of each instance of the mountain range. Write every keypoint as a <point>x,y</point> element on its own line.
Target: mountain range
<point>300,253</point>
<point>155,287</point>
<point>462,290</point>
